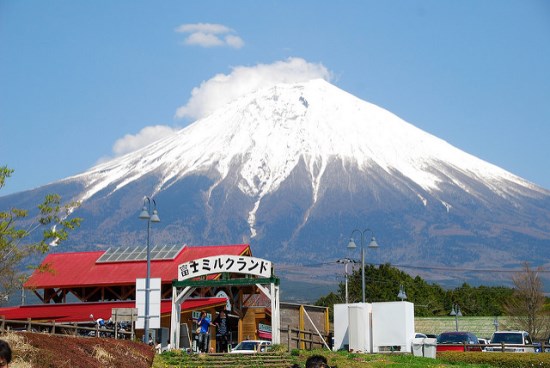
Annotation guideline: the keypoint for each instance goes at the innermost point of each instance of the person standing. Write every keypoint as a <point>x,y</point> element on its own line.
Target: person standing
<point>222,334</point>
<point>204,325</point>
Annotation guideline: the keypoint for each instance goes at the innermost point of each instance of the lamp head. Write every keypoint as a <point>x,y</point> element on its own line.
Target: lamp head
<point>373,243</point>
<point>402,295</point>
<point>351,244</point>
<point>155,217</point>
<point>144,215</point>
<point>453,311</point>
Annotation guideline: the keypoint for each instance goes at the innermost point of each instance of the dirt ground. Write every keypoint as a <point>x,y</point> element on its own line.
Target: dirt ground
<point>39,350</point>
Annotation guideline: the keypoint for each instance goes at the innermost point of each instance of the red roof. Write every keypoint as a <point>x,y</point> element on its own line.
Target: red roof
<point>80,312</point>
<point>80,269</point>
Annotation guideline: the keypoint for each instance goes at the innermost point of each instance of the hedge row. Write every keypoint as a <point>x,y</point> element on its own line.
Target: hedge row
<point>497,359</point>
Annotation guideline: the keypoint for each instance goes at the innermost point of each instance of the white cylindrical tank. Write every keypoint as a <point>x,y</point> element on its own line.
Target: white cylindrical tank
<point>359,331</point>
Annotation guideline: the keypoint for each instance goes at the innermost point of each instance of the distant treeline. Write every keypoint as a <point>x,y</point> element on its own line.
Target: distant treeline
<point>383,284</point>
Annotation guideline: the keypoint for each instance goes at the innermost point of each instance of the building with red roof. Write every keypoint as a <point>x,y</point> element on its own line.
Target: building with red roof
<point>96,277</point>
<point>74,286</point>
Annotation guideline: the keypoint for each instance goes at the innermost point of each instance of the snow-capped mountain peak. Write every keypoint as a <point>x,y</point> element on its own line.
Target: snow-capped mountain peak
<point>270,130</point>
<point>292,169</point>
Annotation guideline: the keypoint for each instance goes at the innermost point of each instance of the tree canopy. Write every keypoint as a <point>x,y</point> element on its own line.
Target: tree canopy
<point>383,284</point>
<point>15,244</point>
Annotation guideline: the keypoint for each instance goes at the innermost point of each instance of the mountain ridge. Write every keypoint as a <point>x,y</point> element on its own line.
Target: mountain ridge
<point>293,169</point>
<point>264,167</point>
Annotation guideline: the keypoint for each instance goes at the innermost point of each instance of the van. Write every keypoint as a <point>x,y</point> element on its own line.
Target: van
<point>511,342</point>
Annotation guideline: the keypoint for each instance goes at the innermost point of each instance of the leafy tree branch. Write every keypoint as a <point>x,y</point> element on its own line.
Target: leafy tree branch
<point>54,220</point>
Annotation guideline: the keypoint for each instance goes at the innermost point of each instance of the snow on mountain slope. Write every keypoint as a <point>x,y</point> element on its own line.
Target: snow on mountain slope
<point>270,130</point>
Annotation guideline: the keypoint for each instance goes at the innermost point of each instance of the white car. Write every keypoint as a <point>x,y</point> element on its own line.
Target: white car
<point>512,342</point>
<point>251,347</point>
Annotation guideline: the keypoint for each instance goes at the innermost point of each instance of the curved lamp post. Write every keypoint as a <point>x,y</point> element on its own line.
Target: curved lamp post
<point>372,244</point>
<point>145,215</point>
<point>455,311</point>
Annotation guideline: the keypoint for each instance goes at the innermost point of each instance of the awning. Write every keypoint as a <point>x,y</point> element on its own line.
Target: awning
<point>264,335</point>
<point>80,312</point>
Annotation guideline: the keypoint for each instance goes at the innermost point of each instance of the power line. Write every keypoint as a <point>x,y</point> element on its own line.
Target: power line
<point>466,269</point>
<point>456,269</point>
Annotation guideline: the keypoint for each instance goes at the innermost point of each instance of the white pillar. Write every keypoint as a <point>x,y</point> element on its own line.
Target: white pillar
<point>275,316</point>
<point>175,320</point>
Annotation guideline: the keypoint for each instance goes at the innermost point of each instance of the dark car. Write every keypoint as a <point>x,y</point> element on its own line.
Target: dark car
<point>457,341</point>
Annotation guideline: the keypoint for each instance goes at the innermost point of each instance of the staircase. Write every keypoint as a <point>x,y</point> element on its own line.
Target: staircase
<point>183,360</point>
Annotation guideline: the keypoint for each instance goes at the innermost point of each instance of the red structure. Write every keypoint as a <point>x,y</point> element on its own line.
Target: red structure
<point>72,286</point>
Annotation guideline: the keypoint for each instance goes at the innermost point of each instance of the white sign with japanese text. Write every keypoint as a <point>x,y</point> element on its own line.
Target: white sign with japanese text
<point>219,264</point>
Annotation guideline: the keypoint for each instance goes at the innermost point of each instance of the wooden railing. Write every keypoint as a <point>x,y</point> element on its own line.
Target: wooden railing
<point>63,329</point>
<point>304,338</point>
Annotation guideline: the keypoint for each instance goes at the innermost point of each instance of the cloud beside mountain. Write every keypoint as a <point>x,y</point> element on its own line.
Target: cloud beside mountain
<point>224,88</point>
<point>210,35</point>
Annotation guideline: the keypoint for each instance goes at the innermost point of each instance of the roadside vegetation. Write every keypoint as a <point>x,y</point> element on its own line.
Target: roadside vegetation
<point>525,302</point>
<point>343,359</point>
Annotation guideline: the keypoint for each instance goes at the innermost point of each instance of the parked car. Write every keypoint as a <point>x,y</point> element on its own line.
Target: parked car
<point>512,342</point>
<point>251,347</point>
<point>420,335</point>
<point>483,342</point>
<point>457,341</point>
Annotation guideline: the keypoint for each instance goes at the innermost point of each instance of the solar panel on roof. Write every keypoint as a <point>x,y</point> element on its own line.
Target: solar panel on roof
<point>131,254</point>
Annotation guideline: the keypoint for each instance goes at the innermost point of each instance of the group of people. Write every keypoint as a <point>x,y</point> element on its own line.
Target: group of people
<point>222,332</point>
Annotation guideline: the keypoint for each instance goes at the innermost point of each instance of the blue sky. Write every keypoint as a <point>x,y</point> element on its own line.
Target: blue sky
<point>82,81</point>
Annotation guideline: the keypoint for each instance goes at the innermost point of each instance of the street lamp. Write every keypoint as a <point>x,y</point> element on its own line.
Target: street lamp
<point>372,244</point>
<point>455,311</point>
<point>346,261</point>
<point>144,215</point>
<point>402,294</point>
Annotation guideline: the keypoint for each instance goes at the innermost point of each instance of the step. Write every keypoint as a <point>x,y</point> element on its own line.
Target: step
<point>230,360</point>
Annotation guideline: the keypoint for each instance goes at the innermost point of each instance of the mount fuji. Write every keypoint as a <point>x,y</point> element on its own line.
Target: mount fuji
<point>293,169</point>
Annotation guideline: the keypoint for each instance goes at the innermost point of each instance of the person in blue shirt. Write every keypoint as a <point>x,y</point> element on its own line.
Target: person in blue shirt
<point>204,325</point>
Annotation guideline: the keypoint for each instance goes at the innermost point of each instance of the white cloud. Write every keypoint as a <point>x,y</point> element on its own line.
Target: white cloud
<point>147,135</point>
<point>234,41</point>
<point>222,88</point>
<point>133,142</point>
<point>204,40</point>
<point>210,35</point>
<point>203,27</point>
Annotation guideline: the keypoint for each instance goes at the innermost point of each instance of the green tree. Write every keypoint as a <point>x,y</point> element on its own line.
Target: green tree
<point>383,283</point>
<point>479,301</point>
<point>15,244</point>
